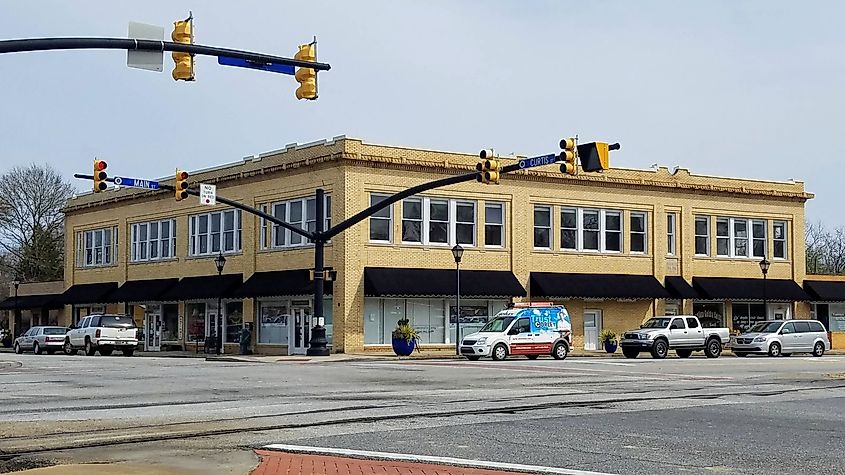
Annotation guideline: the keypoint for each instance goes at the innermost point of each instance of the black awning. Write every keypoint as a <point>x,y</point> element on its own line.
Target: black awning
<point>679,288</point>
<point>396,282</point>
<point>143,290</point>
<point>610,286</point>
<point>281,282</point>
<point>31,301</point>
<point>825,291</point>
<point>204,287</point>
<point>718,288</point>
<point>99,292</point>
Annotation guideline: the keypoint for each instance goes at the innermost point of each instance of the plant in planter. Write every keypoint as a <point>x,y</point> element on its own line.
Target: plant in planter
<point>405,338</point>
<point>608,337</point>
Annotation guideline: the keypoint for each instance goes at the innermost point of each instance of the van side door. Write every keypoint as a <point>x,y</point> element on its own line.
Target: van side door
<point>520,338</point>
<point>805,339</point>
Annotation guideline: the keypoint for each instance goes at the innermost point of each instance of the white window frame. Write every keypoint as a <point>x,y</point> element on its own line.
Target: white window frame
<point>451,223</point>
<point>159,243</point>
<point>194,234</point>
<point>602,230</point>
<point>706,235</point>
<point>644,232</point>
<point>429,221</point>
<point>671,227</point>
<point>279,237</point>
<point>784,240</point>
<point>107,252</point>
<point>603,225</point>
<point>389,218</point>
<point>566,209</point>
<point>534,228</point>
<point>724,237</point>
<point>733,239</point>
<point>421,220</point>
<point>500,225</point>
<point>582,229</point>
<point>764,238</point>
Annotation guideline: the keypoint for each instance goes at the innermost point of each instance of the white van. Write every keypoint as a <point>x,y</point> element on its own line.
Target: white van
<point>526,329</point>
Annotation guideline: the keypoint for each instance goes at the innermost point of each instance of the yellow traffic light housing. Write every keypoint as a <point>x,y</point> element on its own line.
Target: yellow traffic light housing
<point>488,168</point>
<point>100,175</point>
<point>181,185</point>
<point>183,32</point>
<point>595,156</point>
<point>306,77</point>
<point>569,155</point>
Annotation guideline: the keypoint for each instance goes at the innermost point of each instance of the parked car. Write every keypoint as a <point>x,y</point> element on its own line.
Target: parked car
<point>682,333</point>
<point>40,339</point>
<point>103,333</point>
<point>528,329</point>
<point>782,337</point>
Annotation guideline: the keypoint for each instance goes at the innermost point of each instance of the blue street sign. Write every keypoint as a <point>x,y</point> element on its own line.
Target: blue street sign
<point>242,63</point>
<point>538,161</point>
<point>135,182</point>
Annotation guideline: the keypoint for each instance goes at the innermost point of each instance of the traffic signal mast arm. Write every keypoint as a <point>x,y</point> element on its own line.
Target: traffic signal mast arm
<point>46,44</point>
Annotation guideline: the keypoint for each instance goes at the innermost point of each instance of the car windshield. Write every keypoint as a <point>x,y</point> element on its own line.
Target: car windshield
<point>55,331</point>
<point>656,323</point>
<point>116,321</point>
<point>764,327</point>
<point>497,324</point>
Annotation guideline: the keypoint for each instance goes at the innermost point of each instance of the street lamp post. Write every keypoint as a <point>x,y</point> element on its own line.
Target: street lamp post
<point>16,318</point>
<point>457,252</point>
<point>764,266</point>
<point>220,262</point>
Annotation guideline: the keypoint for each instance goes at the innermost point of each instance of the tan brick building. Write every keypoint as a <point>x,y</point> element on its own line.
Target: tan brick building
<point>615,247</point>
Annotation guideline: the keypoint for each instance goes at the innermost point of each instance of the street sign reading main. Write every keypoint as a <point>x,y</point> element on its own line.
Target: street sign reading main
<point>136,182</point>
<point>538,161</point>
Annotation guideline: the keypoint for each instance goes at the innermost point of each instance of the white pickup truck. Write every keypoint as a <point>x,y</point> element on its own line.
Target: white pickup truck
<point>102,333</point>
<point>682,333</point>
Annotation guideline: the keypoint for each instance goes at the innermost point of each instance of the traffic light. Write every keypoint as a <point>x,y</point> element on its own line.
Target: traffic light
<point>100,175</point>
<point>488,168</point>
<point>595,156</point>
<point>569,155</point>
<point>183,32</point>
<point>181,185</point>
<point>306,77</point>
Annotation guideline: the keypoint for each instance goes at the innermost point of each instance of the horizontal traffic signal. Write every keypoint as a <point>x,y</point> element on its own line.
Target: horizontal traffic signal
<point>595,156</point>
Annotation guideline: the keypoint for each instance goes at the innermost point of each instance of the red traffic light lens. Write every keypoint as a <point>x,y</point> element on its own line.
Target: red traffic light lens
<point>183,175</point>
<point>101,165</point>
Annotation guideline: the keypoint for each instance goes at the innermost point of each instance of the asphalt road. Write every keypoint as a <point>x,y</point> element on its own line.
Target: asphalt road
<point>729,415</point>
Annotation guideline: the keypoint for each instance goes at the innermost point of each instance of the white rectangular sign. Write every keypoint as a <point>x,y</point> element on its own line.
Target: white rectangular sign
<point>208,194</point>
<point>142,59</point>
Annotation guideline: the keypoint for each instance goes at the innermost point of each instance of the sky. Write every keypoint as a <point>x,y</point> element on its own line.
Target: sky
<point>750,89</point>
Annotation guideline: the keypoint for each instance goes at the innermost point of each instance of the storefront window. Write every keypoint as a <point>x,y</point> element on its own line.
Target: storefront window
<point>745,315</point>
<point>710,314</point>
<point>474,314</point>
<point>273,323</point>
<point>234,321</point>
<point>836,317</point>
<point>196,321</point>
<point>170,322</point>
<point>427,316</point>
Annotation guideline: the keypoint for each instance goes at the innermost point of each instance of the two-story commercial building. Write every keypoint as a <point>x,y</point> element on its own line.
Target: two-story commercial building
<point>614,247</point>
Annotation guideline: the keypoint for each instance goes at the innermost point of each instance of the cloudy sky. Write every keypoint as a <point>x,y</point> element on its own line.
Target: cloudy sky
<point>726,87</point>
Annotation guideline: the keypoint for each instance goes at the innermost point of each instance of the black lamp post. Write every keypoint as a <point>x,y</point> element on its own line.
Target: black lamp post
<point>220,262</point>
<point>764,266</point>
<point>457,252</point>
<point>16,317</point>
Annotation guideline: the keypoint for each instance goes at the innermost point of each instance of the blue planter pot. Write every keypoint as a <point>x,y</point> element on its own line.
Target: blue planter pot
<point>610,346</point>
<point>403,347</point>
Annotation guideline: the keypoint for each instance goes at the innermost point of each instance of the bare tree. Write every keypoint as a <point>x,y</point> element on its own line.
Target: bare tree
<point>31,221</point>
<point>825,249</point>
<point>815,236</point>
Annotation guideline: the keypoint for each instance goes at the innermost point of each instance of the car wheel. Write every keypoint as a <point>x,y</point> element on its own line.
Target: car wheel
<point>713,348</point>
<point>659,349</point>
<point>740,354</point>
<point>500,352</point>
<point>818,349</point>
<point>774,349</point>
<point>683,353</point>
<point>18,349</point>
<point>106,351</point>
<point>89,348</point>
<point>473,358</point>
<point>630,353</point>
<point>36,348</point>
<point>532,357</point>
<point>128,352</point>
<point>69,349</point>
<point>561,351</point>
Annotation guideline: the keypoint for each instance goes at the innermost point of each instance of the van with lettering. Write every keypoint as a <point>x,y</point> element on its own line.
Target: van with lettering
<point>531,329</point>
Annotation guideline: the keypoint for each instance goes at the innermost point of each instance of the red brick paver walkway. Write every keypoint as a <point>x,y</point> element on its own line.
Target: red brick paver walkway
<point>283,463</point>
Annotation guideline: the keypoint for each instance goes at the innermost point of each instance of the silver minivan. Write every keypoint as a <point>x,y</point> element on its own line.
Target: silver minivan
<point>782,337</point>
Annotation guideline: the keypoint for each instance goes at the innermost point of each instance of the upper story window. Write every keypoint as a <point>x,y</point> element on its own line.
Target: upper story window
<point>381,223</point>
<point>740,237</point>
<point>96,247</point>
<point>670,234</point>
<point>438,221</point>
<point>542,227</point>
<point>779,238</point>
<point>211,233</point>
<point>596,230</point>
<point>638,233</point>
<point>494,224</point>
<point>702,235</point>
<point>153,240</point>
<point>301,213</point>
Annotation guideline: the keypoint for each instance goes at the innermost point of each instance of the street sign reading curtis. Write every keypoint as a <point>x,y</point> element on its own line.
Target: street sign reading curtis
<point>135,182</point>
<point>538,161</point>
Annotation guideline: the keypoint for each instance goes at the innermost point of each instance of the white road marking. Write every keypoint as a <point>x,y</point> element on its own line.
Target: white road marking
<point>481,464</point>
<point>615,363</point>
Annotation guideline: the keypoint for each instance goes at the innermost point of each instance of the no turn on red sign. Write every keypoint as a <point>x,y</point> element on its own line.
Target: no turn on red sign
<point>208,194</point>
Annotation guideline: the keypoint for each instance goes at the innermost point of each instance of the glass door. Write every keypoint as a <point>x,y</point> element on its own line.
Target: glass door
<point>299,331</point>
<point>152,321</point>
<point>592,324</point>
